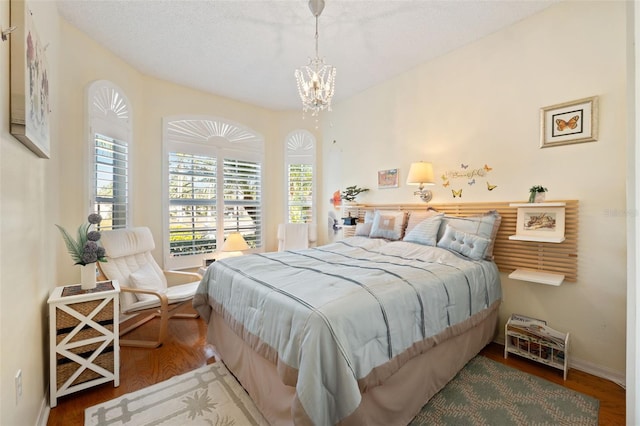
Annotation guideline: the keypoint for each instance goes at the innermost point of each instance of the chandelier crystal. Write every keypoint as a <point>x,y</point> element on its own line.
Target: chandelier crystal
<point>316,80</point>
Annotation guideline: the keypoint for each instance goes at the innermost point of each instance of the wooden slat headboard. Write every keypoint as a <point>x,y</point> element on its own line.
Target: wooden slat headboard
<point>559,258</point>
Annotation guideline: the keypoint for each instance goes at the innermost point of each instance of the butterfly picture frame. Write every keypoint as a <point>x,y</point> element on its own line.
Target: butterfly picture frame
<point>569,123</point>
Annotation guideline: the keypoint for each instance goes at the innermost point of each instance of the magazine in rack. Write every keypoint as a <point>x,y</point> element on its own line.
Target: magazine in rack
<point>537,328</point>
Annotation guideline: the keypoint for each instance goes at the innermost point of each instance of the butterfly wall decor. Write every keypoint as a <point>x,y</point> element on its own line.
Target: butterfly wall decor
<point>491,187</point>
<point>457,193</point>
<point>571,124</point>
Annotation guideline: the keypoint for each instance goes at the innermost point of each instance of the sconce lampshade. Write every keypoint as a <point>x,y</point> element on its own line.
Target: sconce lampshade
<point>420,174</point>
<point>235,242</point>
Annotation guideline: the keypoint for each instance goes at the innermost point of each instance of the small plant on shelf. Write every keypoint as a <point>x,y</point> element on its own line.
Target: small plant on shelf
<point>537,193</point>
<point>351,192</point>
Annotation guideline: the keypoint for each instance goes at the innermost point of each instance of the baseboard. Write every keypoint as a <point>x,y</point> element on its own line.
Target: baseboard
<point>588,367</point>
<point>43,414</point>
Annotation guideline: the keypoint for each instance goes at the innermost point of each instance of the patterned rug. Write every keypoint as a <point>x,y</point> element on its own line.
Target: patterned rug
<point>207,396</point>
<point>483,393</point>
<point>489,393</point>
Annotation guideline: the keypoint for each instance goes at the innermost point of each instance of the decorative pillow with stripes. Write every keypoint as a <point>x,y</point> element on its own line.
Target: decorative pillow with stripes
<point>425,232</point>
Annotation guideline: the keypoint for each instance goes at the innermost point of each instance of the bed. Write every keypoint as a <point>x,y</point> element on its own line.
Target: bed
<point>360,331</point>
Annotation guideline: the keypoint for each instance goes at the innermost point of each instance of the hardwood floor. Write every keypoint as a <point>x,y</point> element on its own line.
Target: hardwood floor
<point>186,350</point>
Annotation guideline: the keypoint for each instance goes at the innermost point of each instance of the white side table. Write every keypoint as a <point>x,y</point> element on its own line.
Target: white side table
<point>83,338</point>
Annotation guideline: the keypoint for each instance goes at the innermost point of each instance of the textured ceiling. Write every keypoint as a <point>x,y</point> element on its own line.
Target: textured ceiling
<point>249,49</point>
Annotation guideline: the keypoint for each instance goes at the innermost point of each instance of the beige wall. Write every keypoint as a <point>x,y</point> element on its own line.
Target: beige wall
<point>479,105</point>
<point>28,209</point>
<point>476,105</point>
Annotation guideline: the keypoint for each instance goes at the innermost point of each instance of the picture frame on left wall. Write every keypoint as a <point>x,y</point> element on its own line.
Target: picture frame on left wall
<point>30,92</point>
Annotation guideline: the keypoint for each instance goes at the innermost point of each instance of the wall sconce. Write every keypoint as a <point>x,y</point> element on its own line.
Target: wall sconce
<point>233,246</point>
<point>421,174</point>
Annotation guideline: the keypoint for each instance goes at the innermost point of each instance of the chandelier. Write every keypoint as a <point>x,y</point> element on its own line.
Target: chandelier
<point>316,80</point>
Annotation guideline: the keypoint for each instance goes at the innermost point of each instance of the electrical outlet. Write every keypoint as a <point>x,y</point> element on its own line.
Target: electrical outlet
<point>18,380</point>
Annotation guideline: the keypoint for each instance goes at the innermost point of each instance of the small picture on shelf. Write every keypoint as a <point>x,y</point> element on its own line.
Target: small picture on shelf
<point>540,222</point>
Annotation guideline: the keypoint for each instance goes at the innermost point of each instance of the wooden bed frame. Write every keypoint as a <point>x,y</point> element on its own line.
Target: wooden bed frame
<point>558,258</point>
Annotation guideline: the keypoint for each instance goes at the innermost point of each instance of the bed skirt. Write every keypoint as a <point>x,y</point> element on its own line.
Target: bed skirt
<point>395,402</point>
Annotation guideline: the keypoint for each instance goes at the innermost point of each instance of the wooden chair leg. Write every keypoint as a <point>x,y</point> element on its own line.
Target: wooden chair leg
<point>164,315</point>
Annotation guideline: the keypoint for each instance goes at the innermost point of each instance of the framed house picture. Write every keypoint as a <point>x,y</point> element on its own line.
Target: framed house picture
<point>388,178</point>
<point>29,82</point>
<point>569,123</point>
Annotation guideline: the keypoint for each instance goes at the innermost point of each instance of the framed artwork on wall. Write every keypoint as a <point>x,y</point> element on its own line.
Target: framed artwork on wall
<point>29,82</point>
<point>569,123</point>
<point>388,178</point>
<point>542,222</point>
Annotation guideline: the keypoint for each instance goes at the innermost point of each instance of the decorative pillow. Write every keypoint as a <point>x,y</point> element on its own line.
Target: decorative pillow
<point>485,226</point>
<point>415,217</point>
<point>368,216</point>
<point>147,278</point>
<point>469,245</point>
<point>425,232</point>
<point>363,229</point>
<point>387,224</point>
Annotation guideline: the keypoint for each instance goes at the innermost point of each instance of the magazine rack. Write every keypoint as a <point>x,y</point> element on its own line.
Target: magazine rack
<point>531,338</point>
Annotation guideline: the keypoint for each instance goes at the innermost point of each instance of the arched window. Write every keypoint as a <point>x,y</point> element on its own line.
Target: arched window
<point>213,170</point>
<point>108,148</point>
<point>300,163</point>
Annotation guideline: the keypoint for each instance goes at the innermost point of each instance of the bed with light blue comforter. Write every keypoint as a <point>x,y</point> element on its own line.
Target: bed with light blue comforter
<point>337,312</point>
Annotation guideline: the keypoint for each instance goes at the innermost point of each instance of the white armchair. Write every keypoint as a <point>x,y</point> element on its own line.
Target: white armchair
<point>146,290</point>
<point>296,236</point>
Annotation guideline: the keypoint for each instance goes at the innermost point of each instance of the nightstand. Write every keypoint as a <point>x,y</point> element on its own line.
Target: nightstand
<point>83,338</point>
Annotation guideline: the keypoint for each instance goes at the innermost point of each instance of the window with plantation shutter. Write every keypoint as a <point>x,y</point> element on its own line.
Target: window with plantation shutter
<point>300,164</point>
<point>109,138</point>
<point>243,200</point>
<point>192,204</point>
<point>214,187</point>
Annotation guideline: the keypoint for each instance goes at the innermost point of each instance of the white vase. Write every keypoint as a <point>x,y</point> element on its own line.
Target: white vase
<point>88,276</point>
<point>540,197</point>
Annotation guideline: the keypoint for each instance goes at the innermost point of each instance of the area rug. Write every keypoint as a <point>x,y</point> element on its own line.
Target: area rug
<point>483,393</point>
<point>207,396</point>
<point>486,392</point>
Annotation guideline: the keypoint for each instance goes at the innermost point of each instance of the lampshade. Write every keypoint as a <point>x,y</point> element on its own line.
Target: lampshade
<point>420,173</point>
<point>235,242</point>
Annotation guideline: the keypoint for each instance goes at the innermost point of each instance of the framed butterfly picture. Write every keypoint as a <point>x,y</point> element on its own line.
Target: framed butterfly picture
<point>569,123</point>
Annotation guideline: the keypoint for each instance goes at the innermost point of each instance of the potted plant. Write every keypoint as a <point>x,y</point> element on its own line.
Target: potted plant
<point>351,192</point>
<point>537,194</point>
<point>85,250</point>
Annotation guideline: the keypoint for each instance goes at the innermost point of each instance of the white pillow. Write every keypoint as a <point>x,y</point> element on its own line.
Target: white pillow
<point>387,225</point>
<point>469,245</point>
<point>147,278</point>
<point>425,232</point>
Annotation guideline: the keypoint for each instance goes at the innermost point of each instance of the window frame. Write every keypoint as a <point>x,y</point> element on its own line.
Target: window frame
<point>109,114</point>
<point>300,148</point>
<point>213,137</point>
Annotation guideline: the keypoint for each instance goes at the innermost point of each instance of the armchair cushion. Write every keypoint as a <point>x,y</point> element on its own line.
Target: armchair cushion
<point>147,278</point>
<point>176,293</point>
